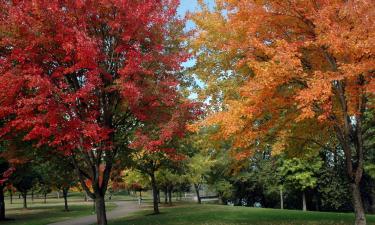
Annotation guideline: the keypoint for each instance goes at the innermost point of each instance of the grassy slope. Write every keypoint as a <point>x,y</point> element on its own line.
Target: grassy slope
<point>39,213</point>
<point>220,215</point>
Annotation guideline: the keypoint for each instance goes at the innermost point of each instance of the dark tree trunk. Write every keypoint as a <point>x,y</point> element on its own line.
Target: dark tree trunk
<point>159,196</point>
<point>304,208</point>
<point>170,191</point>
<point>45,198</point>
<point>2,204</point>
<point>24,195</point>
<point>166,195</point>
<point>359,211</point>
<point>155,194</point>
<point>372,207</point>
<point>197,192</point>
<point>100,210</point>
<point>65,194</point>
<point>11,196</point>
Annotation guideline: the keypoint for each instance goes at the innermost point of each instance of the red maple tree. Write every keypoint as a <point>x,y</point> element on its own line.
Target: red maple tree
<point>82,75</point>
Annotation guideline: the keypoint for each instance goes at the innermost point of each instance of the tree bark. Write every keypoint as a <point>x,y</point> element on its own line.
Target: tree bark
<point>2,204</point>
<point>166,195</point>
<point>359,211</point>
<point>281,198</point>
<point>24,196</point>
<point>304,208</point>
<point>11,196</point>
<point>65,194</point>
<point>155,194</point>
<point>100,210</point>
<point>170,190</point>
<point>197,192</point>
<point>45,198</point>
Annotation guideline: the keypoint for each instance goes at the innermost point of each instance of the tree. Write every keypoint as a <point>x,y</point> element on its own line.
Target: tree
<point>23,179</point>
<point>81,76</point>
<point>285,63</point>
<point>198,166</point>
<point>300,174</point>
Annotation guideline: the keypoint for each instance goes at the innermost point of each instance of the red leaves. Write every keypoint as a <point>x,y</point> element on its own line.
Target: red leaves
<point>66,65</point>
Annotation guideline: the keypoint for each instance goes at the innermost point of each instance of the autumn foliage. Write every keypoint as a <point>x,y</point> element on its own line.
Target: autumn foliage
<point>85,77</point>
<point>280,72</point>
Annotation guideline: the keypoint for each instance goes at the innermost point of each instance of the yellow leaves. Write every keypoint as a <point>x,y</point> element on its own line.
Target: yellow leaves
<point>280,144</point>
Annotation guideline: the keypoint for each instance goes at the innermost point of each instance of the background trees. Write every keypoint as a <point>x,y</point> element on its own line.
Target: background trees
<point>81,77</point>
<point>275,67</point>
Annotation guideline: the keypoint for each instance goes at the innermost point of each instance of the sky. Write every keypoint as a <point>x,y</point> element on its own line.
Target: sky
<point>190,6</point>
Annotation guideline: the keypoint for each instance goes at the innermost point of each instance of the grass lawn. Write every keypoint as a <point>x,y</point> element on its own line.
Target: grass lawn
<point>39,213</point>
<point>228,215</point>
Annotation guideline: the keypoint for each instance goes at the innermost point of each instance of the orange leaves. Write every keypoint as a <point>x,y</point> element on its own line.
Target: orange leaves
<point>298,55</point>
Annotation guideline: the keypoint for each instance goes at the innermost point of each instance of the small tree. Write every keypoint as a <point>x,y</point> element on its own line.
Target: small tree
<point>23,180</point>
<point>300,174</point>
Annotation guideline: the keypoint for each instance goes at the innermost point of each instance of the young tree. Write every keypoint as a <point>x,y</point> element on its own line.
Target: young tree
<point>275,64</point>
<point>23,179</point>
<point>300,174</point>
<point>81,76</point>
<point>198,167</point>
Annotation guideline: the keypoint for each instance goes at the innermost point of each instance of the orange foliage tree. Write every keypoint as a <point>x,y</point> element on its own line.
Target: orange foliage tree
<point>293,70</point>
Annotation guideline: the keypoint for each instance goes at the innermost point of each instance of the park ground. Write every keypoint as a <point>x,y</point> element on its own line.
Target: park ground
<point>181,213</point>
<point>209,214</point>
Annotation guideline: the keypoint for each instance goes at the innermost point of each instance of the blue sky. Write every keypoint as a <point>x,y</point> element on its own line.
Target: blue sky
<point>189,6</point>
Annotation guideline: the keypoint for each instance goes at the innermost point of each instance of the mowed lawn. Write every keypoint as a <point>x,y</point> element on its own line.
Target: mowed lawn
<point>39,213</point>
<point>228,215</point>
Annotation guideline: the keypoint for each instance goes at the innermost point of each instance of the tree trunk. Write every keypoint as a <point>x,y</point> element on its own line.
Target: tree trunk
<point>304,201</point>
<point>372,200</point>
<point>11,196</point>
<point>100,210</point>
<point>58,194</point>
<point>65,194</point>
<point>159,196</point>
<point>140,197</point>
<point>45,198</point>
<point>359,211</point>
<point>24,195</point>
<point>170,190</point>
<point>85,197</point>
<point>2,204</point>
<point>155,194</point>
<point>197,192</point>
<point>166,195</point>
<point>32,195</point>
<point>281,198</point>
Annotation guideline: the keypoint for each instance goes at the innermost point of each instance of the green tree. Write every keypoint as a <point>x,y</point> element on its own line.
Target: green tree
<point>300,174</point>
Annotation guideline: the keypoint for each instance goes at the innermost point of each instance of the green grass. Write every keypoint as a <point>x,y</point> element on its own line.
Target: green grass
<point>39,213</point>
<point>229,215</point>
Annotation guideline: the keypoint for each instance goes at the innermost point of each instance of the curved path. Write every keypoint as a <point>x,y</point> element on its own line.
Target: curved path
<point>123,209</point>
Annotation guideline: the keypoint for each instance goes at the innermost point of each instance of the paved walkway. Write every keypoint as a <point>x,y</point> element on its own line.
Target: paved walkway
<point>123,208</point>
